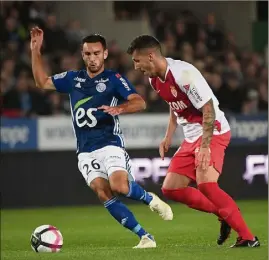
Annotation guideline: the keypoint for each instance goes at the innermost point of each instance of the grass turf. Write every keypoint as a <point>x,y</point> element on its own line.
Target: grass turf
<point>90,233</point>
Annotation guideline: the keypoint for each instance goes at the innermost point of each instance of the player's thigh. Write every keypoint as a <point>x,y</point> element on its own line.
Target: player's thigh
<point>211,175</point>
<point>218,146</point>
<point>175,181</point>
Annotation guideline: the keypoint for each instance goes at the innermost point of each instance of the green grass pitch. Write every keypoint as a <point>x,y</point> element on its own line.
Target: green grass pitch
<point>90,233</point>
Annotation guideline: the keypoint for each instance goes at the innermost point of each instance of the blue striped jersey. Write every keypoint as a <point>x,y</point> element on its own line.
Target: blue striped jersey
<point>94,128</point>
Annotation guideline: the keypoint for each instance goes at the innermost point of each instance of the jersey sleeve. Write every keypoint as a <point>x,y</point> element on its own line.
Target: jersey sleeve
<point>63,81</point>
<point>195,86</point>
<point>123,87</point>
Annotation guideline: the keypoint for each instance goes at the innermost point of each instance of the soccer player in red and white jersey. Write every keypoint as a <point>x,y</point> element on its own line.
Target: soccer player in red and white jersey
<point>207,135</point>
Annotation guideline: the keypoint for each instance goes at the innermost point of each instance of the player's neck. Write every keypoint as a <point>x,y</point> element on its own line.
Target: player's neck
<point>162,68</point>
<point>92,75</point>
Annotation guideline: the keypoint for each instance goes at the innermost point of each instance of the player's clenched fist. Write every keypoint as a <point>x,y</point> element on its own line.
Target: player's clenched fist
<point>36,38</point>
<point>164,146</point>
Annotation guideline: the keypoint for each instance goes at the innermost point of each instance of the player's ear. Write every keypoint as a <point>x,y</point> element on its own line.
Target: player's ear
<point>105,54</point>
<point>150,57</point>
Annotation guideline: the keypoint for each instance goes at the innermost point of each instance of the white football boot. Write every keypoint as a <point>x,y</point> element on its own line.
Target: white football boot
<point>147,241</point>
<point>162,208</point>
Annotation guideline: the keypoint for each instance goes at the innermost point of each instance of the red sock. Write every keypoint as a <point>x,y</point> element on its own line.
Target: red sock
<point>227,208</point>
<point>192,197</point>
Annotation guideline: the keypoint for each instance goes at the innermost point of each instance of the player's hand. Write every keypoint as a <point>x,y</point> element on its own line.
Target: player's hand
<point>164,146</point>
<point>203,158</point>
<point>114,111</point>
<point>36,38</point>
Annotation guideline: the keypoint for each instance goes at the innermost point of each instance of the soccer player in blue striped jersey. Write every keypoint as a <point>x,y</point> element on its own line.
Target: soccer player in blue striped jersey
<point>97,97</point>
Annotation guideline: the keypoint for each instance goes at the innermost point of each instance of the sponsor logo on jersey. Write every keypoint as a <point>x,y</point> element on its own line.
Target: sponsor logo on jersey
<point>79,79</point>
<point>60,75</point>
<point>179,105</point>
<point>101,87</point>
<point>78,85</point>
<point>101,80</point>
<point>173,91</point>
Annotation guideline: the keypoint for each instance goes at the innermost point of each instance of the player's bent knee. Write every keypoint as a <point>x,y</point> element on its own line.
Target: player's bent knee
<point>119,182</point>
<point>212,175</point>
<point>168,193</point>
<point>175,194</point>
<point>175,181</point>
<point>102,189</point>
<point>120,187</point>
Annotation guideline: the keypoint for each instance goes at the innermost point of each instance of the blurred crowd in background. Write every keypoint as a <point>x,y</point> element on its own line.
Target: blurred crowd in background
<point>239,78</point>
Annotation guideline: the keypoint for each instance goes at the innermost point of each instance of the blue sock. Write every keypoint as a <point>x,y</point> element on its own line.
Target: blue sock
<point>136,192</point>
<point>124,216</point>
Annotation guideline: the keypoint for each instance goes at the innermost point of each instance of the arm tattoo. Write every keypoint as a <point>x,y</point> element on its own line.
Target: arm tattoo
<point>208,123</point>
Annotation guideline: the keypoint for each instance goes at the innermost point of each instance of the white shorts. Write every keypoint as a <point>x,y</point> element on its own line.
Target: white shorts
<point>103,162</point>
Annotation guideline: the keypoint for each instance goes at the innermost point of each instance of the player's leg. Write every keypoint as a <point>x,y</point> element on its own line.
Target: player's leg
<point>117,209</point>
<point>181,172</point>
<point>226,206</point>
<point>118,165</point>
<point>94,173</point>
<point>175,187</point>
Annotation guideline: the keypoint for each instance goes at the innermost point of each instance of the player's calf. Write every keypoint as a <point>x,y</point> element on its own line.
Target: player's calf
<point>226,206</point>
<point>126,218</point>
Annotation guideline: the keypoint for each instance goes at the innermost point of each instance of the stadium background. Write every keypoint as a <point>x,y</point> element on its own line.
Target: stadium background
<point>226,41</point>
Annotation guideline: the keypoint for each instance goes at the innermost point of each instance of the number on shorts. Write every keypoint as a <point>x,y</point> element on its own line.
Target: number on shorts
<point>95,165</point>
<point>87,168</point>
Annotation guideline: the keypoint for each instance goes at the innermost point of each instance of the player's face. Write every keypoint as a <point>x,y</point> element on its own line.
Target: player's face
<point>94,56</point>
<point>143,61</point>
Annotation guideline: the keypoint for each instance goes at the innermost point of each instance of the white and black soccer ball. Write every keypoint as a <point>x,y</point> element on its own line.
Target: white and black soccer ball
<point>46,238</point>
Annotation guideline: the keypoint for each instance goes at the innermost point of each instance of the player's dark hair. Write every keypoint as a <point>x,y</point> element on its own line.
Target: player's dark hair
<point>93,38</point>
<point>143,42</point>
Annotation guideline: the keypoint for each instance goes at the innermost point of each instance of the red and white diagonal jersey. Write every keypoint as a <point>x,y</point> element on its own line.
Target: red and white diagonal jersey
<point>186,91</point>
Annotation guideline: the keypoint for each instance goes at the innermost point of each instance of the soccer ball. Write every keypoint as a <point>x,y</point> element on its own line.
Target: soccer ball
<point>46,238</point>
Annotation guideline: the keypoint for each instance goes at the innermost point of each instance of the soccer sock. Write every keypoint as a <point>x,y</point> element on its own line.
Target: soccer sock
<point>192,197</point>
<point>124,216</point>
<point>136,192</point>
<point>227,208</point>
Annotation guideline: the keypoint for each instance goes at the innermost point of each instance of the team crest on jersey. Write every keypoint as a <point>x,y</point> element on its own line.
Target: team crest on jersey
<point>101,87</point>
<point>173,91</point>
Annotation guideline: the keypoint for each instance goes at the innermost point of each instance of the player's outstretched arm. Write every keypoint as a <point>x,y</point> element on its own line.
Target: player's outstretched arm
<point>41,78</point>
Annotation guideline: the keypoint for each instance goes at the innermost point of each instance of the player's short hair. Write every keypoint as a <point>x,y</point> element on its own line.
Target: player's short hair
<point>93,38</point>
<point>144,42</point>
